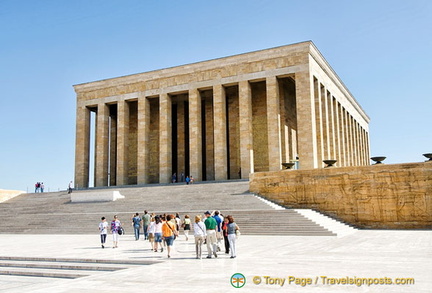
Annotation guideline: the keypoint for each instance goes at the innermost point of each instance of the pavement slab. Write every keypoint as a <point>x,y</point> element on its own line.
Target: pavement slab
<point>267,263</point>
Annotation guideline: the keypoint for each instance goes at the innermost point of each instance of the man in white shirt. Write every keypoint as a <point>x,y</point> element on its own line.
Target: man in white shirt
<point>103,226</point>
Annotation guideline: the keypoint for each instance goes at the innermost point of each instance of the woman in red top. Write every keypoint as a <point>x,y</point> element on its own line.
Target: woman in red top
<point>225,234</point>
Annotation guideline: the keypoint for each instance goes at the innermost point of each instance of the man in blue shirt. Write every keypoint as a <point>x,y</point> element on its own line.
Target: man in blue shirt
<point>219,235</point>
<point>136,224</point>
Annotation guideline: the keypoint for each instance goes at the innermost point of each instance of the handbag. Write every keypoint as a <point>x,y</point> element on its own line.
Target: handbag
<point>120,230</point>
<point>175,232</point>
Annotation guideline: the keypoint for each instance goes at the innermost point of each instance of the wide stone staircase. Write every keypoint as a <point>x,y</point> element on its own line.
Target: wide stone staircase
<point>54,213</point>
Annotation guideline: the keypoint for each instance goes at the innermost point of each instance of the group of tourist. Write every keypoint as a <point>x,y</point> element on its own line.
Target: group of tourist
<point>162,231</point>
<point>188,179</point>
<point>39,187</point>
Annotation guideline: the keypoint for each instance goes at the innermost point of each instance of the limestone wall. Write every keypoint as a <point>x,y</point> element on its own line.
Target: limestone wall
<point>383,196</point>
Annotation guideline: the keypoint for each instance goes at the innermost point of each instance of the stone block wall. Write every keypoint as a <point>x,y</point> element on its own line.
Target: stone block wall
<point>259,126</point>
<point>382,196</point>
<point>233,131</point>
<point>153,156</point>
<point>133,143</point>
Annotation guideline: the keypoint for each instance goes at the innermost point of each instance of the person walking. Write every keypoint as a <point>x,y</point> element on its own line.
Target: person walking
<point>225,234</point>
<point>146,222</point>
<point>169,232</point>
<point>103,227</point>
<point>199,234</point>
<point>186,226</point>
<point>136,222</point>
<point>158,233</point>
<point>115,226</point>
<point>70,188</point>
<point>210,224</point>
<point>177,221</point>
<point>219,235</point>
<point>232,229</point>
<point>42,186</point>
<point>151,232</point>
<point>36,187</point>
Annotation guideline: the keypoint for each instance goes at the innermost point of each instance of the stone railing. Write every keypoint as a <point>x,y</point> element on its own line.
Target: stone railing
<point>8,194</point>
<point>379,196</point>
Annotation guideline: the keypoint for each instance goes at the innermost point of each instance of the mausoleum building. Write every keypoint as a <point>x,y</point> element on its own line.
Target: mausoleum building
<point>219,119</point>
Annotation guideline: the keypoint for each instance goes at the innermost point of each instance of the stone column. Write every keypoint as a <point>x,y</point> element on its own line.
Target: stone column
<point>285,154</point>
<point>326,124</point>
<point>122,142</point>
<point>143,139</point>
<point>354,141</point>
<point>220,137</point>
<point>306,130</point>
<point>358,144</point>
<point>363,146</point>
<point>332,148</point>
<point>101,153</point>
<point>347,138</point>
<point>319,121</point>
<point>246,135</point>
<point>82,147</point>
<point>195,134</point>
<point>350,140</point>
<point>273,124</point>
<point>367,148</point>
<point>365,151</point>
<point>337,132</point>
<point>165,138</point>
<point>342,135</point>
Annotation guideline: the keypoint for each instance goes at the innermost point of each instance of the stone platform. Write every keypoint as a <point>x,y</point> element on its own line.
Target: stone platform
<point>132,267</point>
<point>37,258</point>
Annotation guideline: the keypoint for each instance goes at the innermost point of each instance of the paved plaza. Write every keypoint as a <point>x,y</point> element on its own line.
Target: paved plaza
<point>275,262</point>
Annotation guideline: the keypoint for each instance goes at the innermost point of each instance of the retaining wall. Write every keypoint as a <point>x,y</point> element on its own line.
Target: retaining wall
<point>397,196</point>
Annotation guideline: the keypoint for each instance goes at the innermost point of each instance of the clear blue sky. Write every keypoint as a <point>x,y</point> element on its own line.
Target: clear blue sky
<point>380,49</point>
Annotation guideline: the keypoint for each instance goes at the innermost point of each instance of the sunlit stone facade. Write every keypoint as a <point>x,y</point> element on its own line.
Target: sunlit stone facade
<point>219,119</point>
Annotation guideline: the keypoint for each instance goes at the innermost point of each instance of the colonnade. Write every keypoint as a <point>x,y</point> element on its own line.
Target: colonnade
<point>222,132</point>
<point>225,131</point>
<point>339,135</point>
<point>219,119</point>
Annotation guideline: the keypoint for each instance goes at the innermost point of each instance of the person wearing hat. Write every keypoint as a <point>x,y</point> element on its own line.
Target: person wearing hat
<point>210,224</point>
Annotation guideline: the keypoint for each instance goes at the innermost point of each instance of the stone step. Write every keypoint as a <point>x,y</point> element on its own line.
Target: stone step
<point>53,213</point>
<point>38,273</point>
<point>76,260</point>
<point>65,268</point>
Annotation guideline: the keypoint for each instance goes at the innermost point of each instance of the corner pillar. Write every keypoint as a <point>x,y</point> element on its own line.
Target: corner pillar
<point>306,129</point>
<point>82,147</point>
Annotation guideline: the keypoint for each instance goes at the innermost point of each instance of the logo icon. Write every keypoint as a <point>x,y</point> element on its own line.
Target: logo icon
<point>238,280</point>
